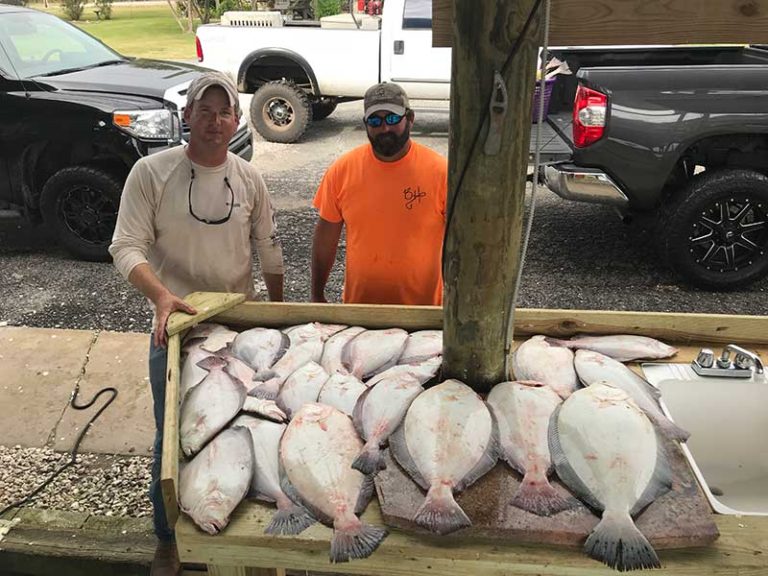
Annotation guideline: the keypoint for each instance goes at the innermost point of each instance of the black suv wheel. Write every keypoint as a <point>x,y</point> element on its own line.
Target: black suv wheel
<point>714,233</point>
<point>80,204</point>
<point>280,111</point>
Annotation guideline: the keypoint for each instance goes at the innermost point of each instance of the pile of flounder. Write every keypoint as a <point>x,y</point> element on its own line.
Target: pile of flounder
<point>300,417</point>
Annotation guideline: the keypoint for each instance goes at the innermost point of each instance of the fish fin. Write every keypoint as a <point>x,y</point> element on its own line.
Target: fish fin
<point>264,375</point>
<point>564,469</point>
<point>399,450</point>
<point>659,484</point>
<point>290,521</point>
<point>541,498</point>
<point>355,542</point>
<point>266,408</point>
<point>211,362</point>
<point>357,414</point>
<point>282,406</point>
<point>669,428</point>
<point>487,460</point>
<point>514,464</point>
<point>285,343</point>
<point>393,361</point>
<point>264,392</point>
<point>618,543</point>
<point>370,460</point>
<point>365,494</point>
<point>440,513</point>
<point>293,494</point>
<point>346,359</point>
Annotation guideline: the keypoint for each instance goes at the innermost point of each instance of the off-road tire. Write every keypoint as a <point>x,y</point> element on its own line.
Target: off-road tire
<point>323,108</point>
<point>714,232</point>
<point>80,205</point>
<point>280,111</point>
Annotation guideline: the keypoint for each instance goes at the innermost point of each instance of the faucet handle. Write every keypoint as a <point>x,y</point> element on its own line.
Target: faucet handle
<point>705,358</point>
<point>743,358</point>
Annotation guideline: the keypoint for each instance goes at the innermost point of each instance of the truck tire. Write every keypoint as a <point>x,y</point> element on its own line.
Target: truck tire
<point>323,108</point>
<point>80,205</point>
<point>280,111</point>
<point>714,232</point>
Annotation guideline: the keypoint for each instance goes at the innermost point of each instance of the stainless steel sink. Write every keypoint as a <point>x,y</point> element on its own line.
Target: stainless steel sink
<point>728,422</point>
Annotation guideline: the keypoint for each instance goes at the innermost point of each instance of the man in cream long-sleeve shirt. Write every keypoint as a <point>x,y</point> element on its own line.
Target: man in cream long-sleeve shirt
<point>190,220</point>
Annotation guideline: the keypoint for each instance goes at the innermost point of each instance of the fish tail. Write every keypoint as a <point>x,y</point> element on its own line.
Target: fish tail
<point>440,513</point>
<point>618,543</point>
<point>538,496</point>
<point>264,392</point>
<point>673,431</point>
<point>370,460</point>
<point>290,521</point>
<point>355,540</point>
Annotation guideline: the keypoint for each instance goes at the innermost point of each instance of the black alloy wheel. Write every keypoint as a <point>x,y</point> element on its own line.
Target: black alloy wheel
<point>80,204</point>
<point>715,232</point>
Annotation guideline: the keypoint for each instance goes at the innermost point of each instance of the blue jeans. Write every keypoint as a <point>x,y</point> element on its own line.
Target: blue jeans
<point>158,361</point>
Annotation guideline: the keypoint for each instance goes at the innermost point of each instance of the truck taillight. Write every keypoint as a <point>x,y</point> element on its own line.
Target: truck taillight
<point>589,111</point>
<point>199,48</point>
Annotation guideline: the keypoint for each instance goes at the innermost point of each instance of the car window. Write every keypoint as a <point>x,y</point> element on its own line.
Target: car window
<point>417,14</point>
<point>39,44</point>
<point>6,70</point>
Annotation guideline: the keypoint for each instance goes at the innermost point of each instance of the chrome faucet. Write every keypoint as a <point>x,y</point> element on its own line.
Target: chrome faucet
<point>742,365</point>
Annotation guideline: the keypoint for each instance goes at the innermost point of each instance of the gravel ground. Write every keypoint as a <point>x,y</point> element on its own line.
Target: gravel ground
<point>105,485</point>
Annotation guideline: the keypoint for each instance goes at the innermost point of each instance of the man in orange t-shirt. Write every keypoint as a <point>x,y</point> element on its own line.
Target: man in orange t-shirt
<point>391,195</point>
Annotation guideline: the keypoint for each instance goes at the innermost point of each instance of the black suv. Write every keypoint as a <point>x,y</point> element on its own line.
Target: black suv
<point>74,117</point>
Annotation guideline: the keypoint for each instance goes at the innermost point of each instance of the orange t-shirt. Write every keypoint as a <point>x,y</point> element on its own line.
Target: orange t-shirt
<point>394,213</point>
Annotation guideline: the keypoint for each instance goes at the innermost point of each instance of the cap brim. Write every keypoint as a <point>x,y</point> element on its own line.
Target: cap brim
<point>384,108</point>
<point>232,99</point>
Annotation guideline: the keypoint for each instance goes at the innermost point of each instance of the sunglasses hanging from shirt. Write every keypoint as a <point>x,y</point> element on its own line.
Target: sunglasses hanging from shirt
<point>206,220</point>
<point>391,119</point>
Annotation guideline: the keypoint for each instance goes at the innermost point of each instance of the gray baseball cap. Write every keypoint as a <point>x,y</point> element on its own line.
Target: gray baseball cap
<point>213,78</point>
<point>386,96</point>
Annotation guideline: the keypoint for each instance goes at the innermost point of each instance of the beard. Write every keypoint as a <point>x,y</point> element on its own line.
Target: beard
<point>389,144</point>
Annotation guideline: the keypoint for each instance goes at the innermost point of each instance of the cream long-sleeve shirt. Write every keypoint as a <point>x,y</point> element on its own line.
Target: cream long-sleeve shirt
<point>154,224</point>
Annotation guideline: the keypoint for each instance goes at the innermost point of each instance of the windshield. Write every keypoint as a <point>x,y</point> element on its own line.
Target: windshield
<point>41,44</point>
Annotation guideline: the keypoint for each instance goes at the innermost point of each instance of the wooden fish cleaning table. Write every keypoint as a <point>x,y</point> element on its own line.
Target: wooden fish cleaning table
<point>243,548</point>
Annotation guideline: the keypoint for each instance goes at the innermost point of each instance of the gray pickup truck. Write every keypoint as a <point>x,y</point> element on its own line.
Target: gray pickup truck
<point>678,134</point>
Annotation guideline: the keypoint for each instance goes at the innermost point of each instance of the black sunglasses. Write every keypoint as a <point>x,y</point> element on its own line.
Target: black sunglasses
<point>391,119</point>
<point>205,220</point>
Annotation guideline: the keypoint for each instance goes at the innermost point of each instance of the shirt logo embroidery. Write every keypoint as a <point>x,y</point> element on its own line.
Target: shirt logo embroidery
<point>412,196</point>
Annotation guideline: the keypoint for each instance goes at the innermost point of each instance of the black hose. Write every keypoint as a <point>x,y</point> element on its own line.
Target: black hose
<point>73,453</point>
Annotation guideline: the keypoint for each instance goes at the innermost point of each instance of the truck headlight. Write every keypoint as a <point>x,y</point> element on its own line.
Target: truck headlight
<point>148,124</point>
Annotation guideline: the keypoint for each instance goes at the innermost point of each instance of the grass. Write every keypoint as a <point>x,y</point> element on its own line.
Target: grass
<point>136,30</point>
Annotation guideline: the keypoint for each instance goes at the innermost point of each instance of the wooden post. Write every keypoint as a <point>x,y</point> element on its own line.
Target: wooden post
<point>488,160</point>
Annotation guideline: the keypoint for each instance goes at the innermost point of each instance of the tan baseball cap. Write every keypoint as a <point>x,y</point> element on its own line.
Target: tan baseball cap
<point>213,78</point>
<point>386,96</point>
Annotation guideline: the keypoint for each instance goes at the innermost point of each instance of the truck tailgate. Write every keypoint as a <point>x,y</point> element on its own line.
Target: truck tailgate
<point>556,139</point>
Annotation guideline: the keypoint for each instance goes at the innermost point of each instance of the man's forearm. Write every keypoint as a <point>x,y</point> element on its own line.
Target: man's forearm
<point>145,280</point>
<point>274,284</point>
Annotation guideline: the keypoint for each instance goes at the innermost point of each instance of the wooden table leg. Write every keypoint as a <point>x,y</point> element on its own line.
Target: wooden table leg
<point>242,571</point>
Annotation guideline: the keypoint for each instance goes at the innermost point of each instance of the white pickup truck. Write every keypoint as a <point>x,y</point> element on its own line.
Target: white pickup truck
<point>299,71</point>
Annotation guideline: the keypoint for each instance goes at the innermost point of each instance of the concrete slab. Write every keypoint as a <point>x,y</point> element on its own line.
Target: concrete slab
<point>127,425</point>
<point>38,371</point>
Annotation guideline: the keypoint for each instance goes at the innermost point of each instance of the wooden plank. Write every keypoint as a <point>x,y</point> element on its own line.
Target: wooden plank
<point>169,472</point>
<point>277,314</point>
<point>207,304</point>
<point>677,328</point>
<point>604,22</point>
<point>740,550</point>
